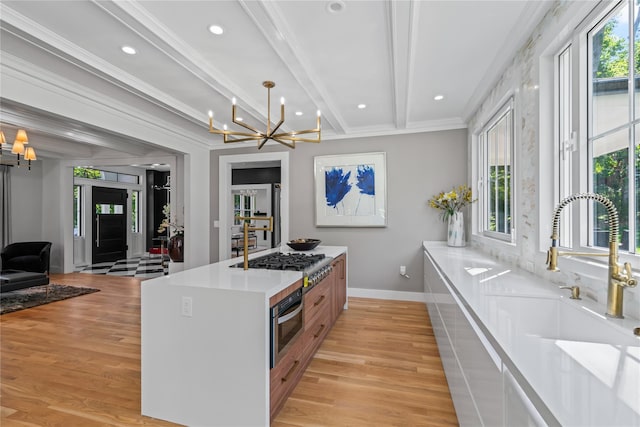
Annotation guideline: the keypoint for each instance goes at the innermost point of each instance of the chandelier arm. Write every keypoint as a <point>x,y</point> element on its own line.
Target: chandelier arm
<point>298,132</point>
<point>273,132</point>
<point>292,136</point>
<point>244,125</point>
<point>256,135</point>
<point>297,139</point>
<point>250,138</point>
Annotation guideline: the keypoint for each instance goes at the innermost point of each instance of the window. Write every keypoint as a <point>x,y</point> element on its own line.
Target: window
<point>612,123</point>
<point>243,205</point>
<point>105,175</point>
<point>135,211</point>
<point>566,137</point>
<point>77,210</point>
<point>109,209</point>
<point>496,156</point>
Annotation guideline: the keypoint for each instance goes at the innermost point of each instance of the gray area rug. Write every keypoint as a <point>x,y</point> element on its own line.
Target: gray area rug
<point>38,295</point>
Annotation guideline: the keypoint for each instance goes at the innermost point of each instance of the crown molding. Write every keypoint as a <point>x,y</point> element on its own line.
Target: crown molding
<point>50,92</point>
<point>56,45</point>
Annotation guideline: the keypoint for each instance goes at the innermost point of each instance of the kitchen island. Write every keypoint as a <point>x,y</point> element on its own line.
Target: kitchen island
<point>205,338</point>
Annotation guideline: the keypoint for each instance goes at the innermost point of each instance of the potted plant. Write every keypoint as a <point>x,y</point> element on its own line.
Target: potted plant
<point>176,231</point>
<point>451,205</point>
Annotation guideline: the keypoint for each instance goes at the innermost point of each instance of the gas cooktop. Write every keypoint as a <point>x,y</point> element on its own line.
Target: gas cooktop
<point>284,261</point>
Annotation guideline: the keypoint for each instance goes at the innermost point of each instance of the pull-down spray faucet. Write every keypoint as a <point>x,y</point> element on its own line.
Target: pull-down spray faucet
<point>618,279</point>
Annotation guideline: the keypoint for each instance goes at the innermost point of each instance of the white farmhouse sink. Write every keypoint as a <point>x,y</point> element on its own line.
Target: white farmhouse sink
<point>555,318</point>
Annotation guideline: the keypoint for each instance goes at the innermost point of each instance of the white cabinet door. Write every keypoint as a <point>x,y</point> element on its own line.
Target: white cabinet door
<point>518,409</point>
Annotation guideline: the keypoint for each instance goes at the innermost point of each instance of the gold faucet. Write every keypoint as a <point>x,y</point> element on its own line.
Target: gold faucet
<point>248,228</point>
<point>618,280</point>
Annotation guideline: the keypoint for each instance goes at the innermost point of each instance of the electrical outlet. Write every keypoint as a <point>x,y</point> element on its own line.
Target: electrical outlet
<point>530,267</point>
<point>187,306</point>
<point>403,270</point>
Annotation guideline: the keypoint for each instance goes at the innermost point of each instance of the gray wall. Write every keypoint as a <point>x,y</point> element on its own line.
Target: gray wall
<point>26,203</point>
<point>418,166</point>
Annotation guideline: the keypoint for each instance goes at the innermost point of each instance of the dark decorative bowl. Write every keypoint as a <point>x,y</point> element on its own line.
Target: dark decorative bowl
<point>303,244</point>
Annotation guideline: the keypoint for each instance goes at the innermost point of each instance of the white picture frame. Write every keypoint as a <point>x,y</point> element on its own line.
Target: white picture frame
<point>351,190</point>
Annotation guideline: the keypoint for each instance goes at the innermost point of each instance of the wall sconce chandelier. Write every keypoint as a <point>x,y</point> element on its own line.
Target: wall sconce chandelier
<point>3,140</point>
<point>285,138</point>
<point>18,148</point>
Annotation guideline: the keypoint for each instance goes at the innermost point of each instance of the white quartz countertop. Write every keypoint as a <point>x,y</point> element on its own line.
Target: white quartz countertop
<point>222,276</point>
<point>584,366</point>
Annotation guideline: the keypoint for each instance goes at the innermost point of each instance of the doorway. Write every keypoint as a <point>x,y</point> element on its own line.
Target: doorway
<point>225,197</point>
<point>109,225</point>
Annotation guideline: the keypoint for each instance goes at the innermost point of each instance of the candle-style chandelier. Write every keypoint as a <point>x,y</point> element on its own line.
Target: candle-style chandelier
<point>286,138</point>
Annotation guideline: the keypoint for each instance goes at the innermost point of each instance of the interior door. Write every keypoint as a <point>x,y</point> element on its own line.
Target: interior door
<point>109,224</point>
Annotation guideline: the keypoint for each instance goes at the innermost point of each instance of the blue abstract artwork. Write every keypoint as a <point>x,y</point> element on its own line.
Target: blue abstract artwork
<point>350,190</point>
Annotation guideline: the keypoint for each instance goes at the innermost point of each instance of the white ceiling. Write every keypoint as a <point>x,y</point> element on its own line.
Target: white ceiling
<point>393,56</point>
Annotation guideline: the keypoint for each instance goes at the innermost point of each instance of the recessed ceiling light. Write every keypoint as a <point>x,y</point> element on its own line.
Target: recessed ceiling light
<point>216,29</point>
<point>336,6</point>
<point>362,106</point>
<point>298,113</point>
<point>239,119</point>
<point>128,50</point>
<point>438,97</point>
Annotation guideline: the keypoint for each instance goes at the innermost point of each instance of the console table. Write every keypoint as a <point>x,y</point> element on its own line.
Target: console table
<point>237,242</point>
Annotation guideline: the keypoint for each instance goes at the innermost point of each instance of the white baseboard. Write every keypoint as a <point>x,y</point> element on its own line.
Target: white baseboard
<point>384,294</point>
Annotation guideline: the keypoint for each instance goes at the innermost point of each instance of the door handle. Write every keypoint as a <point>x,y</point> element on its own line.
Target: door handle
<point>97,231</point>
<point>290,316</point>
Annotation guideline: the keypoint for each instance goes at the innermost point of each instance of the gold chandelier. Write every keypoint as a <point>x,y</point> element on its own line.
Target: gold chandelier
<point>286,138</point>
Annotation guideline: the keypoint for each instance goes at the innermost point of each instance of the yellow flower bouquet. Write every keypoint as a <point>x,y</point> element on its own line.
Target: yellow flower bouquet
<point>453,201</point>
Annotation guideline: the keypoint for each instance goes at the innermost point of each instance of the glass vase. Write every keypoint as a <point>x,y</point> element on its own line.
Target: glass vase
<point>455,230</point>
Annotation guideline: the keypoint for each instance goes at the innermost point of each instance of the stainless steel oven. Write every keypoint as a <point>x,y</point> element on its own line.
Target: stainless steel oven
<point>286,324</point>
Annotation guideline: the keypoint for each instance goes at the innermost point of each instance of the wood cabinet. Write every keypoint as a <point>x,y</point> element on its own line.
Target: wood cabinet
<point>339,277</point>
<point>317,316</point>
<point>285,375</point>
<point>321,306</point>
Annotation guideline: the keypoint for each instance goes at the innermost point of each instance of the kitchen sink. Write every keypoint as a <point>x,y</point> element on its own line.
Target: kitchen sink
<point>555,318</point>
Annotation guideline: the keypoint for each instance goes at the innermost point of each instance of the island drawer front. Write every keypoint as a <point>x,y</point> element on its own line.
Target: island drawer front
<point>317,301</point>
<point>285,375</point>
<point>314,334</point>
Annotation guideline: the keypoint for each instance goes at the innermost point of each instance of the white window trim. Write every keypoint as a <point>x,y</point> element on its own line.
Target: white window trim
<point>580,165</point>
<point>506,104</point>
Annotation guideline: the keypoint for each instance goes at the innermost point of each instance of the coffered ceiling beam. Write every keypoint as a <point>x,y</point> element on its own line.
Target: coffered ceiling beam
<point>274,27</point>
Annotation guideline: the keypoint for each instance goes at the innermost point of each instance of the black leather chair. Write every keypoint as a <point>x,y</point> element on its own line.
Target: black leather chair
<point>27,256</point>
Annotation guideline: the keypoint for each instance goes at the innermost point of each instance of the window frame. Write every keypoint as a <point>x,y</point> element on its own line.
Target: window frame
<point>78,210</point>
<point>137,212</point>
<point>580,147</point>
<point>242,211</point>
<point>506,108</point>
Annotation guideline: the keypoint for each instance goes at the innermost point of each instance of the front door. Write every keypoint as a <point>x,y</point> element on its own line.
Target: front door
<point>109,224</point>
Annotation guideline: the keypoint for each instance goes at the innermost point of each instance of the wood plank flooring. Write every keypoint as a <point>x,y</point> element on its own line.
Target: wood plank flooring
<point>77,363</point>
<point>379,366</point>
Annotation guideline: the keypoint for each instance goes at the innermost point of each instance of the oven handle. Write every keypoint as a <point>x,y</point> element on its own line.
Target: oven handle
<point>290,316</point>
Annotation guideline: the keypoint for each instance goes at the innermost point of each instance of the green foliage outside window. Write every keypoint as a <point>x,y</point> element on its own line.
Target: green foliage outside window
<point>86,173</point>
<point>611,175</point>
<point>499,178</point>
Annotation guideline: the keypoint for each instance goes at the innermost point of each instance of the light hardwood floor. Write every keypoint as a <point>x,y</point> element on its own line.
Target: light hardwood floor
<point>77,363</point>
